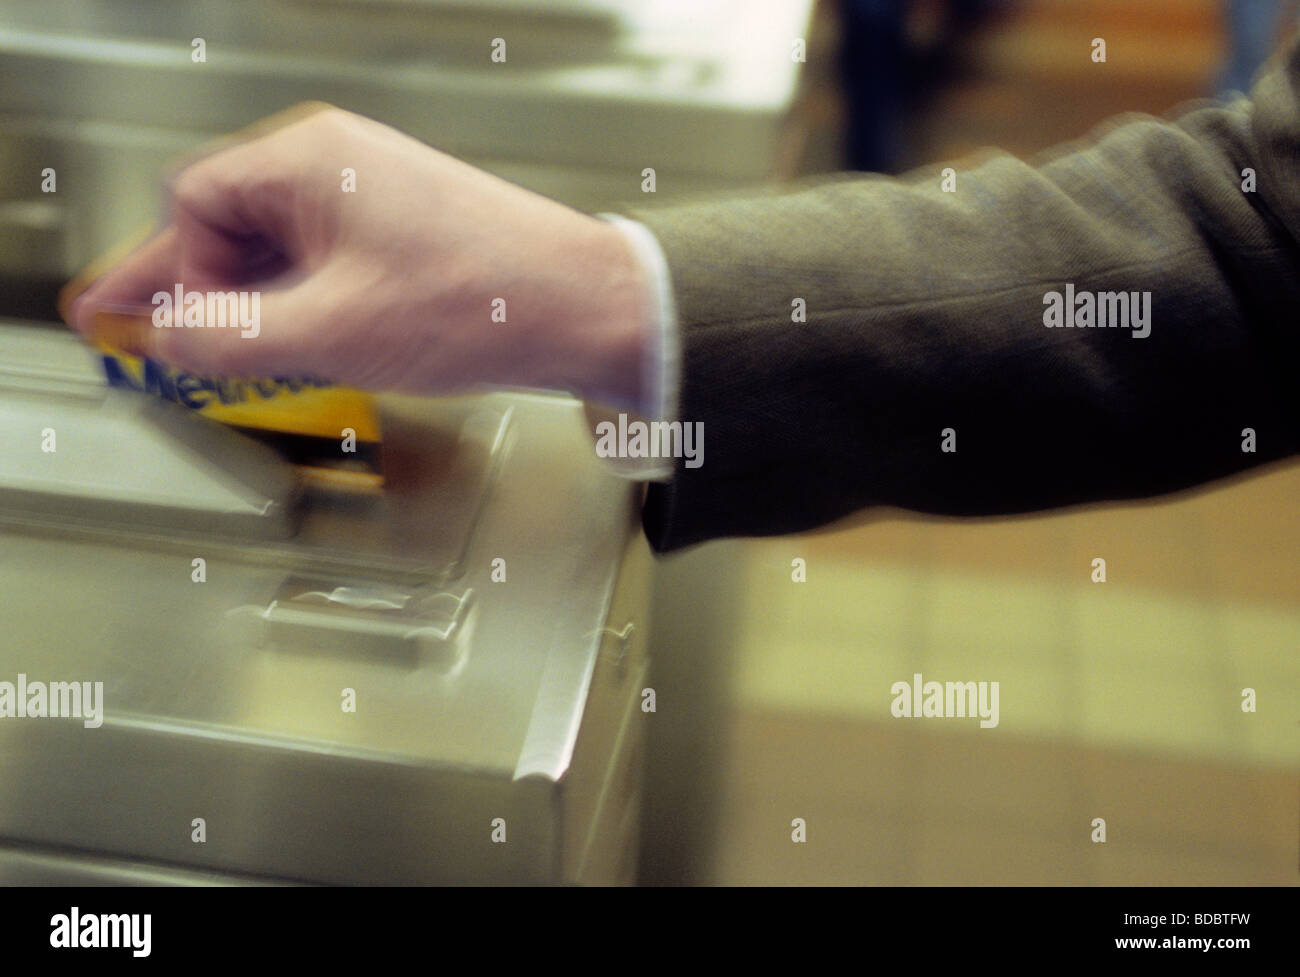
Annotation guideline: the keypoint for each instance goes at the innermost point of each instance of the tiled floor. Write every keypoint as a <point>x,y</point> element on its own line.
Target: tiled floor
<point>897,804</point>
<point>1153,658</point>
<point>1119,700</point>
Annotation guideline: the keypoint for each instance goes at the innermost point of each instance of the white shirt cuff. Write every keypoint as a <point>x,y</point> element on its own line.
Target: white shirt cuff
<point>660,393</point>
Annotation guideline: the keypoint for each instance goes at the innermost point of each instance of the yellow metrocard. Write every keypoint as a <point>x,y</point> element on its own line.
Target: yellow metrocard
<point>330,432</point>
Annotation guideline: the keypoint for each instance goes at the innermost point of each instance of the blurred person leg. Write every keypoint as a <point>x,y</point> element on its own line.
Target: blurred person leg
<point>1253,29</point>
<point>873,62</point>
<point>886,68</point>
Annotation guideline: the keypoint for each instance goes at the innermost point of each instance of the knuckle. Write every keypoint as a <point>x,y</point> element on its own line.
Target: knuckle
<point>331,122</point>
<point>192,185</point>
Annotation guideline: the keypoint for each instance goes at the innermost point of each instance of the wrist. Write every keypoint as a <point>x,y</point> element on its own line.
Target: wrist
<point>606,343</point>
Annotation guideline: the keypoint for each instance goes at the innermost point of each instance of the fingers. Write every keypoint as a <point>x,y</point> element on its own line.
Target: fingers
<point>230,261</point>
<point>232,201</point>
<point>232,286</point>
<point>131,284</point>
<point>252,190</point>
<point>213,328</point>
<point>241,333</point>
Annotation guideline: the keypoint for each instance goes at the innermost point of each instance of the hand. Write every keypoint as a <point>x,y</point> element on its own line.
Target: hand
<point>392,286</point>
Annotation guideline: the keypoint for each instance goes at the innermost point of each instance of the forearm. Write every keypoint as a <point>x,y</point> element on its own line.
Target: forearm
<point>925,313</point>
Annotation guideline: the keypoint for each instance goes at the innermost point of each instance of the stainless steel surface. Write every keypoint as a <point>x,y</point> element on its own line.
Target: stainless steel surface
<point>206,718</point>
<point>368,620</point>
<point>25,865</point>
<point>124,457</point>
<point>107,95</point>
<point>102,458</point>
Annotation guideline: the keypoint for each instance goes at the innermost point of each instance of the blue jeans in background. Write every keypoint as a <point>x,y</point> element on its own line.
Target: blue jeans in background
<point>1253,28</point>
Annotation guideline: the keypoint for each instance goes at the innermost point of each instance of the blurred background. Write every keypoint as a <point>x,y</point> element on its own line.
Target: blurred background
<point>1118,700</point>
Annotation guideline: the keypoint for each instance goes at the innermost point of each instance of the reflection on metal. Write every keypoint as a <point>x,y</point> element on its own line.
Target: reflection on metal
<point>385,623</point>
<point>361,719</point>
<point>113,461</point>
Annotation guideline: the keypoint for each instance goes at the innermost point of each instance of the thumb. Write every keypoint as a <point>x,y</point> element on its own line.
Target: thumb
<point>243,332</point>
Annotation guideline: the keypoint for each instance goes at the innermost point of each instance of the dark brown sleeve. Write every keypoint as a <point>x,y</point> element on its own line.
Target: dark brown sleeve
<point>925,312</point>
